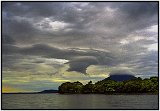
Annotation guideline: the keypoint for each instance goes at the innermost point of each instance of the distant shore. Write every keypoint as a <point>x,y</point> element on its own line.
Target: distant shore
<point>113,93</point>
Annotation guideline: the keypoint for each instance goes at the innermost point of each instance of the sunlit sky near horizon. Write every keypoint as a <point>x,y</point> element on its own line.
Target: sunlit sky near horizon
<point>47,43</point>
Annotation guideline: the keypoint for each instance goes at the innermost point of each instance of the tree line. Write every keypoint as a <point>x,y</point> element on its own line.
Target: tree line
<point>106,86</point>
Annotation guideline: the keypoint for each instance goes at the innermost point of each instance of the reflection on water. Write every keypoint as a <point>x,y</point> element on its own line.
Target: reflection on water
<point>78,101</point>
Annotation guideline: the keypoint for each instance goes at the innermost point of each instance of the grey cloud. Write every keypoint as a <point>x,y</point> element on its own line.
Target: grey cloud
<point>7,40</point>
<point>147,64</point>
<point>79,59</point>
<point>38,61</point>
<point>80,64</point>
<point>8,61</point>
<point>29,8</point>
<point>146,42</point>
<point>9,49</point>
<point>138,10</point>
<point>119,72</point>
<point>93,25</point>
<point>91,21</point>
<point>150,59</point>
<point>20,30</point>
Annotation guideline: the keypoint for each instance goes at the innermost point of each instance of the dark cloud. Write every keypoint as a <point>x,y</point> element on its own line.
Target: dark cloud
<point>19,30</point>
<point>9,49</point>
<point>145,42</point>
<point>119,72</point>
<point>7,40</point>
<point>150,60</point>
<point>30,9</point>
<point>68,28</point>
<point>80,64</point>
<point>143,9</point>
<point>80,59</point>
<point>85,19</point>
<point>8,61</point>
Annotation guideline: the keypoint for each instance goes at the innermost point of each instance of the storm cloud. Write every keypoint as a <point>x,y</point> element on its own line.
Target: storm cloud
<point>79,59</point>
<point>63,39</point>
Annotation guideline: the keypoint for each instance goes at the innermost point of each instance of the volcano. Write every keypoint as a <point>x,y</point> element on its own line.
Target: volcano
<point>121,77</point>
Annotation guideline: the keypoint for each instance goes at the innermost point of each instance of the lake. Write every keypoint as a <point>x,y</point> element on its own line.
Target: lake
<point>78,101</point>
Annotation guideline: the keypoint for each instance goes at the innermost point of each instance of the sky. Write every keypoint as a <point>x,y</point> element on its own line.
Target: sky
<point>45,44</point>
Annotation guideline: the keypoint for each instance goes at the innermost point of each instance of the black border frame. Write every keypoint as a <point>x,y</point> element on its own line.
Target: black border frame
<point>77,1</point>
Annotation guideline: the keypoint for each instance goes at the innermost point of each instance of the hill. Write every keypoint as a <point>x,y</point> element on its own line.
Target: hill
<point>121,77</point>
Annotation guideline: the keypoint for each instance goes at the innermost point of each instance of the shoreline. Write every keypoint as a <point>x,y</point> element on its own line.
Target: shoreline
<point>112,94</point>
<point>91,93</point>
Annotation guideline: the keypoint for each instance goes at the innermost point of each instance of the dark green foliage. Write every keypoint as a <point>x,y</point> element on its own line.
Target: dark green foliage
<point>88,88</point>
<point>69,87</point>
<point>137,85</point>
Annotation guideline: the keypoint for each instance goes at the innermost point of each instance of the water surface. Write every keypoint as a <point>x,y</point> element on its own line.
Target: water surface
<point>78,101</point>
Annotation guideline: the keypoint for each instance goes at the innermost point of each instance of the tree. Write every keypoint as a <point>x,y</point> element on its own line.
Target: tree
<point>78,87</point>
<point>69,87</point>
<point>137,85</point>
<point>88,88</point>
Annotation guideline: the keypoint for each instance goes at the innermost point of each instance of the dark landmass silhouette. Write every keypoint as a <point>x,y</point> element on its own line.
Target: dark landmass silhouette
<point>49,91</point>
<point>44,91</point>
<point>120,83</point>
<point>121,77</point>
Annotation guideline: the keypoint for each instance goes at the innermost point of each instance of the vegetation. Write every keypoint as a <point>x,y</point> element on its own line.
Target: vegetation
<point>68,87</point>
<point>107,86</point>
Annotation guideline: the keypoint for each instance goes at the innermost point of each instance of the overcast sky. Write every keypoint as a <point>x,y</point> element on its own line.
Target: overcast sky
<point>47,43</point>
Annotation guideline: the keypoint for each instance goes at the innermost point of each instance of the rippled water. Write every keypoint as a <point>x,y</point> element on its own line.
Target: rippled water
<point>78,101</point>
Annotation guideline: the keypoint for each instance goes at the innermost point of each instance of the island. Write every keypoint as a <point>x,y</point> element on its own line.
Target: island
<point>49,91</point>
<point>115,84</point>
